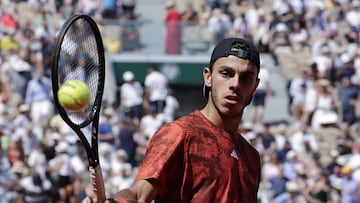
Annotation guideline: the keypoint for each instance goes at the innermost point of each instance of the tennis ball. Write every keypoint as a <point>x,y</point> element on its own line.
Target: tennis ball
<point>74,95</point>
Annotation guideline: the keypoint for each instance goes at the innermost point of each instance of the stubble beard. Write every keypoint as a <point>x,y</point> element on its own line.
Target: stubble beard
<point>216,104</point>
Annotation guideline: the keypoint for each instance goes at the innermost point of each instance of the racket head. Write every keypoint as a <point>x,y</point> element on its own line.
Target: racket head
<point>79,55</point>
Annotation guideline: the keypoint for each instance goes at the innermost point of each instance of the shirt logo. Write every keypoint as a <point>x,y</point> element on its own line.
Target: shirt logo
<point>234,154</point>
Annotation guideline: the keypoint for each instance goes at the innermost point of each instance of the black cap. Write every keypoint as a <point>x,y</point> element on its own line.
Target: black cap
<point>225,48</point>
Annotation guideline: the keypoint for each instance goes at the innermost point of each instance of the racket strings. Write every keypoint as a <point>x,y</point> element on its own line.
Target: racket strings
<point>79,60</point>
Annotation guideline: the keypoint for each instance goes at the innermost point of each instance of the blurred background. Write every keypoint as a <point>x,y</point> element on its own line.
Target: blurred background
<point>303,120</point>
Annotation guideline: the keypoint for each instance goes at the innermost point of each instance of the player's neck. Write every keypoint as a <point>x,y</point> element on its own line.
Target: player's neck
<point>229,124</point>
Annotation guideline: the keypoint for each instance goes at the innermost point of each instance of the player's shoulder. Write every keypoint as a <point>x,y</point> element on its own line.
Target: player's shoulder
<point>193,119</point>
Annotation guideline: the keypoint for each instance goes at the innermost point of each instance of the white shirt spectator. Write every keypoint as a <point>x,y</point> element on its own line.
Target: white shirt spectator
<point>303,138</point>
<point>131,93</point>
<point>157,84</point>
<point>150,123</point>
<point>172,104</point>
<point>37,160</point>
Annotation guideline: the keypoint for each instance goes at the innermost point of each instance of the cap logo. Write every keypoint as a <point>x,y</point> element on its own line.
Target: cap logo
<point>241,54</point>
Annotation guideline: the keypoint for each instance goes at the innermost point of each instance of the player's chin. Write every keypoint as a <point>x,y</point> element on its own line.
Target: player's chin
<point>232,110</point>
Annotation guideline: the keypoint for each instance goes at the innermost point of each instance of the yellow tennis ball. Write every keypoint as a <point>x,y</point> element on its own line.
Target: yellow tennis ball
<point>74,95</point>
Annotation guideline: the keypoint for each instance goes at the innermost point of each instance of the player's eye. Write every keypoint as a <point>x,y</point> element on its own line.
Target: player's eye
<point>247,79</point>
<point>226,73</point>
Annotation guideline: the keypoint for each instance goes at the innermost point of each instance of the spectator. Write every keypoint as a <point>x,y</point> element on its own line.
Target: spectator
<point>345,142</point>
<point>281,136</point>
<point>304,143</point>
<point>319,189</point>
<point>37,160</point>
<point>267,139</point>
<point>298,87</point>
<point>350,186</point>
<point>151,122</point>
<point>298,35</point>
<point>60,169</point>
<point>38,96</point>
<point>279,41</point>
<point>324,62</point>
<point>128,7</point>
<point>121,171</point>
<point>156,85</point>
<point>262,93</point>
<point>278,184</point>
<point>261,32</point>
<point>126,138</point>
<point>109,9</point>
<point>325,112</point>
<point>106,134</point>
<point>219,25</point>
<point>88,7</point>
<point>35,188</point>
<point>173,29</point>
<point>171,106</point>
<point>293,194</point>
<point>131,98</point>
<point>190,15</point>
<point>348,95</point>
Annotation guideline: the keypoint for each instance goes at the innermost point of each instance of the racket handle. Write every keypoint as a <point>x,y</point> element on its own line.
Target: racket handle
<point>97,182</point>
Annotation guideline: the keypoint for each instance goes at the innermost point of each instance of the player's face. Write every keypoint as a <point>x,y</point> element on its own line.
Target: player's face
<point>233,82</point>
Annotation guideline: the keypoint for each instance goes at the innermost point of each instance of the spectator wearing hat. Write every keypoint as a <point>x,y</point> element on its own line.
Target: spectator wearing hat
<point>131,95</point>
<point>350,191</point>
<point>293,194</point>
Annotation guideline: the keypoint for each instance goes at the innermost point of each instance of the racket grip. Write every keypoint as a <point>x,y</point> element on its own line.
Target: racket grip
<point>97,182</point>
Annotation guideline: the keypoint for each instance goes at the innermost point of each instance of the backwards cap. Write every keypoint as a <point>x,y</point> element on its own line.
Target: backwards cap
<point>226,48</point>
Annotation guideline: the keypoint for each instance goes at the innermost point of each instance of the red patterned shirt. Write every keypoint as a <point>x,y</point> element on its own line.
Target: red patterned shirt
<point>192,160</point>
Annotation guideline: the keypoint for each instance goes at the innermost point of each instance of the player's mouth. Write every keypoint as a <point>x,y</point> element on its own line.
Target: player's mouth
<point>232,99</point>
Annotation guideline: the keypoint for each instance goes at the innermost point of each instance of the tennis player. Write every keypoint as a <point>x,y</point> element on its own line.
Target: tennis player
<point>201,157</point>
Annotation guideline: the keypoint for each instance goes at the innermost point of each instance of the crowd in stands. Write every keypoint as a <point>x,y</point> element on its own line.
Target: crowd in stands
<point>314,157</point>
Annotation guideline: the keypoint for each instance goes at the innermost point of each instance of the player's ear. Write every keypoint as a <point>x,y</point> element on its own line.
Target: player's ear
<point>207,77</point>
<point>207,82</point>
<point>253,92</point>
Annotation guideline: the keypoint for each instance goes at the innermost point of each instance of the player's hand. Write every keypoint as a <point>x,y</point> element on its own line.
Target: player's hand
<point>126,196</point>
<point>91,195</point>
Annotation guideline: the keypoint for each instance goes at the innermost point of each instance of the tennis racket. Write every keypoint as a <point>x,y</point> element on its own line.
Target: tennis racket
<point>79,55</point>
